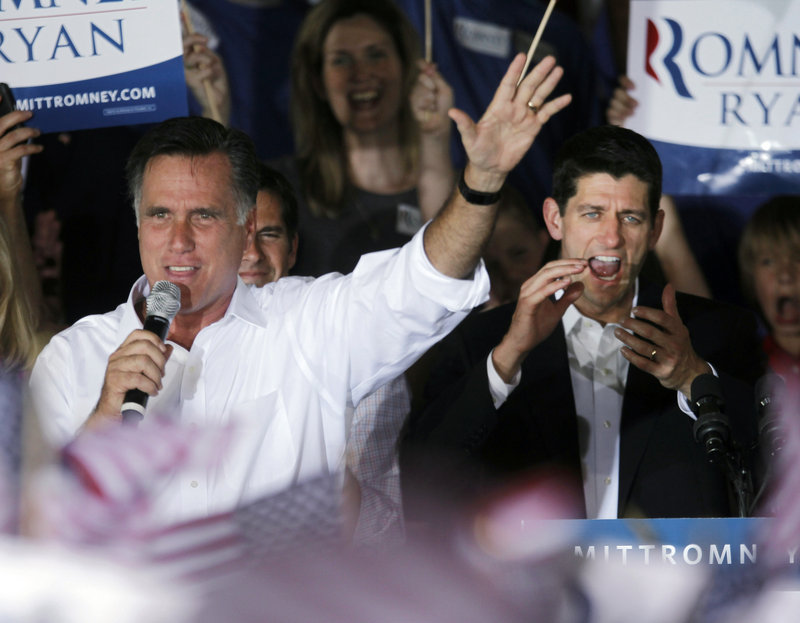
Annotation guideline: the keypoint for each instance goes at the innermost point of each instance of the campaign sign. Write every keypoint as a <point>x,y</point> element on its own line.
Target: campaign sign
<point>731,542</point>
<point>718,85</point>
<point>93,63</point>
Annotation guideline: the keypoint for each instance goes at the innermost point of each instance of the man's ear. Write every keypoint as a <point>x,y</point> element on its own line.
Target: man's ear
<point>658,226</point>
<point>250,228</point>
<point>292,258</point>
<point>552,218</point>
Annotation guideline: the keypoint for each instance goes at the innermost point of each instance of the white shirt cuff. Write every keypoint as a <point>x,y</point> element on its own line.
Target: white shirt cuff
<point>683,401</point>
<point>498,388</point>
<point>470,292</point>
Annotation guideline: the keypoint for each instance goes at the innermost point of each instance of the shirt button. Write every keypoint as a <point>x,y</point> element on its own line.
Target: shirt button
<point>608,481</point>
<point>607,424</point>
<point>605,371</point>
<point>194,484</point>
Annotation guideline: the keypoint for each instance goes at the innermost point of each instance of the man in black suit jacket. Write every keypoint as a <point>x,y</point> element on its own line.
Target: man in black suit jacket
<point>592,370</point>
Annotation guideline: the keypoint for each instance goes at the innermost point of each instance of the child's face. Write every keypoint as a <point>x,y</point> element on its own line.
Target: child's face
<point>776,278</point>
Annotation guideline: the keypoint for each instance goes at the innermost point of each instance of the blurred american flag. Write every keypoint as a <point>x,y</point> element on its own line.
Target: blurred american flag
<point>101,496</point>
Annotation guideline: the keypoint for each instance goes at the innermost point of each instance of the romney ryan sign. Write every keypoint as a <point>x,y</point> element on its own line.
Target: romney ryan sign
<point>93,63</point>
<point>718,84</point>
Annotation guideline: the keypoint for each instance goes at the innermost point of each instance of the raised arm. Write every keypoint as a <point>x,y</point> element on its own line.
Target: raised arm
<point>207,78</point>
<point>15,145</point>
<point>431,99</point>
<point>456,238</point>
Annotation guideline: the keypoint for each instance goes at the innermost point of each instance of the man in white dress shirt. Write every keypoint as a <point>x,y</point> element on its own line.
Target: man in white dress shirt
<point>373,474</point>
<point>281,363</point>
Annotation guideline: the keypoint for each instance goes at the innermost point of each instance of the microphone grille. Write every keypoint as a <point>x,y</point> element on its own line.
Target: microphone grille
<point>164,300</point>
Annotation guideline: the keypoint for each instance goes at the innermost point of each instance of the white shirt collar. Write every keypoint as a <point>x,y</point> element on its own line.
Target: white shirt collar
<point>243,306</point>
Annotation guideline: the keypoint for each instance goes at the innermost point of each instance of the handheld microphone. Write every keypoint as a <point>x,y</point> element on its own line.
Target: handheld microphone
<point>163,304</point>
<point>711,428</point>
<point>770,434</point>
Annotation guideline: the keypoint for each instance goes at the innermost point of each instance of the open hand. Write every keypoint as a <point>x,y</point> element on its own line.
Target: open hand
<point>509,126</point>
<point>661,345</point>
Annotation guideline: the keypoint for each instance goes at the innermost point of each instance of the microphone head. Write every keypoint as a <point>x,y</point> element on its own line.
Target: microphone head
<point>706,388</point>
<point>164,300</point>
<point>711,429</point>
<point>769,389</point>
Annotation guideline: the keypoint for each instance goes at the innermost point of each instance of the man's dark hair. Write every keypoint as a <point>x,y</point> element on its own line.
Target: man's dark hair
<point>275,183</point>
<point>197,136</point>
<point>606,149</point>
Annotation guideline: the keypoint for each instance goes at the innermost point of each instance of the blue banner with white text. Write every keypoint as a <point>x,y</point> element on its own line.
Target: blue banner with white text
<point>93,63</point>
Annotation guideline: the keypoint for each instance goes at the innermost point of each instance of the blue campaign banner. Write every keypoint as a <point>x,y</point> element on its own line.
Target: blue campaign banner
<point>141,96</point>
<point>690,170</point>
<point>93,63</point>
<point>713,543</point>
<point>722,541</point>
<point>718,86</point>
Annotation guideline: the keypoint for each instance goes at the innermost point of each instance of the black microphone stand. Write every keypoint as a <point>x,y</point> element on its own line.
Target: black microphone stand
<point>712,430</point>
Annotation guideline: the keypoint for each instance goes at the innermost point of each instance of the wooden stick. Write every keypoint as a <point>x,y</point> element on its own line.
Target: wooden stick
<point>536,38</point>
<point>428,36</point>
<point>212,104</point>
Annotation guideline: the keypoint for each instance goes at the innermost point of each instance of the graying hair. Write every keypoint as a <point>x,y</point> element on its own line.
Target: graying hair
<point>197,136</point>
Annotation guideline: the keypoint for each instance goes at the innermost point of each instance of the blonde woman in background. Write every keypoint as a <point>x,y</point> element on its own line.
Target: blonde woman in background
<point>20,301</point>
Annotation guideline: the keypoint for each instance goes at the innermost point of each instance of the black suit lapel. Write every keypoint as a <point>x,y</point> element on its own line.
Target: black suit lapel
<point>638,404</point>
<point>547,396</point>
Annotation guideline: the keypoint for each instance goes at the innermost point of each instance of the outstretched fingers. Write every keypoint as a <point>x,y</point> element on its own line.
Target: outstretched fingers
<point>507,89</point>
<point>540,82</point>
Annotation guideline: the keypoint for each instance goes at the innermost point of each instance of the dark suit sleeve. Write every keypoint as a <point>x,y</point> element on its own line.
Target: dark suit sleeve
<point>458,409</point>
<point>456,416</point>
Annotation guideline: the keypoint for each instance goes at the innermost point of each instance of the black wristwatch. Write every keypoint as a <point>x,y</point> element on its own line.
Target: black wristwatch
<point>475,196</point>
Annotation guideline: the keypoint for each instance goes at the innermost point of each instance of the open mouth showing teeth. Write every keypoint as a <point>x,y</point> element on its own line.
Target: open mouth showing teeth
<point>604,266</point>
<point>364,97</point>
<point>788,310</point>
<point>180,269</point>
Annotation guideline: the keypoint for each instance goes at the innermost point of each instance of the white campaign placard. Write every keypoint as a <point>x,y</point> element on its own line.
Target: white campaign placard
<point>93,63</point>
<point>719,75</point>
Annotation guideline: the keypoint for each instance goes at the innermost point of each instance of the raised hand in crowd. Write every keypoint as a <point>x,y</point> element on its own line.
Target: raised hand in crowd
<point>206,77</point>
<point>14,146</point>
<point>622,104</point>
<point>430,100</point>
